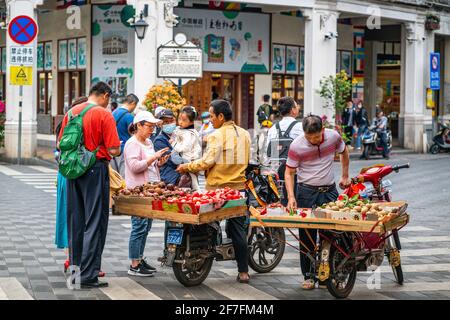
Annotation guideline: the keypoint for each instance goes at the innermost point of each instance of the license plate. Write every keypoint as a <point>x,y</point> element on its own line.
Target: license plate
<point>175,236</point>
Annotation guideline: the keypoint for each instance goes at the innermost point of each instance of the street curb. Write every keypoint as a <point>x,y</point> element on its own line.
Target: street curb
<point>355,156</point>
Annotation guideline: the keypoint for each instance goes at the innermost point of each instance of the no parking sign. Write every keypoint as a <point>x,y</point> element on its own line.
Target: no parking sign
<point>22,29</point>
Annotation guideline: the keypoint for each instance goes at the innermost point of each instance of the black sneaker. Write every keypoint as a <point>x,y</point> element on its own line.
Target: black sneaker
<point>140,271</point>
<point>147,266</point>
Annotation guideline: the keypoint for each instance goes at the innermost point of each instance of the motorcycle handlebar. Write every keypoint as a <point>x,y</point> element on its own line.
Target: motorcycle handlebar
<point>401,166</point>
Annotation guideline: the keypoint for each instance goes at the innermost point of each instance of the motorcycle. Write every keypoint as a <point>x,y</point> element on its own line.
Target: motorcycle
<point>192,249</point>
<point>441,139</point>
<point>372,142</point>
<point>342,254</point>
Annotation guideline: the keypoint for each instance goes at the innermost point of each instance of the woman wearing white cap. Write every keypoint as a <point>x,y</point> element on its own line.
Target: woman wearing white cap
<point>141,166</point>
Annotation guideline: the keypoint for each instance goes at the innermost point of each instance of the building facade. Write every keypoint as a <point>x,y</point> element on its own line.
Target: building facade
<point>250,48</point>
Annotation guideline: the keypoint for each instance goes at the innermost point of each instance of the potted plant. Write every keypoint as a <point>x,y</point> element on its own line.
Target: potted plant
<point>165,95</point>
<point>336,90</point>
<point>432,22</point>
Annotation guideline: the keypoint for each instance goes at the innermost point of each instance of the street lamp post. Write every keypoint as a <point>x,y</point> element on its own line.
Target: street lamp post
<point>140,26</point>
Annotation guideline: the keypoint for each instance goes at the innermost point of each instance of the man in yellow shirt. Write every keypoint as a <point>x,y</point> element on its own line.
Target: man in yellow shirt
<point>225,160</point>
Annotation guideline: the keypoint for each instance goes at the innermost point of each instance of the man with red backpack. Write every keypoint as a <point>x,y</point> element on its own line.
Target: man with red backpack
<point>88,183</point>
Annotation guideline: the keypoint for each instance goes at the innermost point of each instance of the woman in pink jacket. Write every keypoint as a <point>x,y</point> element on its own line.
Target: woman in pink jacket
<point>141,166</point>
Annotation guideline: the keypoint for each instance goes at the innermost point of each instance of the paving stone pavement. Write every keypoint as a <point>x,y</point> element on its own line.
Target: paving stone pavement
<point>31,266</point>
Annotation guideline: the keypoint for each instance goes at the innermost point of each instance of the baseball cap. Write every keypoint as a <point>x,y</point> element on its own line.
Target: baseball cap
<point>145,116</point>
<point>158,110</point>
<point>166,113</point>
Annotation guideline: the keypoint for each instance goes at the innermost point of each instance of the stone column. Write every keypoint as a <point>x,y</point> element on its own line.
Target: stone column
<point>413,96</point>
<point>145,51</point>
<point>29,117</point>
<point>320,57</point>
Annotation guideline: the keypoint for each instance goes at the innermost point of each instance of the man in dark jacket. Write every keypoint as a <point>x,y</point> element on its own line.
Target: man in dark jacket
<point>348,120</point>
<point>168,171</point>
<point>361,119</point>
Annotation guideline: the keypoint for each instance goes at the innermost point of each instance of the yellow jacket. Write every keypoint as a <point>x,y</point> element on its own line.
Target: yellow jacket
<point>226,157</point>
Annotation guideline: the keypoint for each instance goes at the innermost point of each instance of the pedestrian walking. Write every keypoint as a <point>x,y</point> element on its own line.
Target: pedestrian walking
<point>311,157</point>
<point>61,237</point>
<point>142,165</point>
<point>225,161</point>
<point>348,120</point>
<point>265,110</point>
<point>186,141</point>
<point>88,195</point>
<point>362,122</point>
<point>124,119</point>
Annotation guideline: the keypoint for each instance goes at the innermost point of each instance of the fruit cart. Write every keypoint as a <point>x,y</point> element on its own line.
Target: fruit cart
<point>348,243</point>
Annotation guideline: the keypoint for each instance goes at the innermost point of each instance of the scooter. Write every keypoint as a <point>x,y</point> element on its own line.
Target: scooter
<point>372,142</point>
<point>441,139</point>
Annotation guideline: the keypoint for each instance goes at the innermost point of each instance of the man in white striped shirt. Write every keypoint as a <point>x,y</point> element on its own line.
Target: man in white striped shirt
<point>288,126</point>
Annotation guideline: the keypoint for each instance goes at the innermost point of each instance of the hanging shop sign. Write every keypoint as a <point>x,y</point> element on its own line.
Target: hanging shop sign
<point>435,72</point>
<point>231,41</point>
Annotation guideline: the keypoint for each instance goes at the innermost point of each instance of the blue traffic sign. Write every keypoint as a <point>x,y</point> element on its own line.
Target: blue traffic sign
<point>435,71</point>
<point>22,29</point>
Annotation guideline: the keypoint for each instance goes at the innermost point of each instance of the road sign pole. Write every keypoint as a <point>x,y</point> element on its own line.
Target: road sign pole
<point>19,151</point>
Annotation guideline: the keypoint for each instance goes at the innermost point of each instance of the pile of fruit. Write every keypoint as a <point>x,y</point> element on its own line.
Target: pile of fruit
<point>207,197</point>
<point>159,191</point>
<point>155,191</point>
<point>365,207</point>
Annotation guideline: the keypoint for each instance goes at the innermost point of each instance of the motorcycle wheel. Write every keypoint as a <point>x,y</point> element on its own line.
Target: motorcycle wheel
<point>398,274</point>
<point>262,242</point>
<point>434,149</point>
<point>190,277</point>
<point>341,282</point>
<point>397,270</point>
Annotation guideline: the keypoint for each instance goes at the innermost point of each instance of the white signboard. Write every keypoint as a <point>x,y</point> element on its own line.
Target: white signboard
<point>179,62</point>
<point>231,41</point>
<point>113,48</point>
<point>21,55</point>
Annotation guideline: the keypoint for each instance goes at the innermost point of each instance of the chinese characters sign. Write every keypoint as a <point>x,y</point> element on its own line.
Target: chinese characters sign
<point>239,42</point>
<point>112,48</point>
<point>179,62</point>
<point>21,56</point>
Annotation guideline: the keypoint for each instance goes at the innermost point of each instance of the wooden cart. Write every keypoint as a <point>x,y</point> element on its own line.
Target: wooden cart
<point>142,207</point>
<point>327,224</point>
<point>287,221</point>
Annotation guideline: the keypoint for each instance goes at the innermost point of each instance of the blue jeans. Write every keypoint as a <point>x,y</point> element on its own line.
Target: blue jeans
<point>307,198</point>
<point>359,136</point>
<point>140,227</point>
<point>384,143</point>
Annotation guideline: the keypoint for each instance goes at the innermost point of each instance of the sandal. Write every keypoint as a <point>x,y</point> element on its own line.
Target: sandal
<point>238,279</point>
<point>309,284</point>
